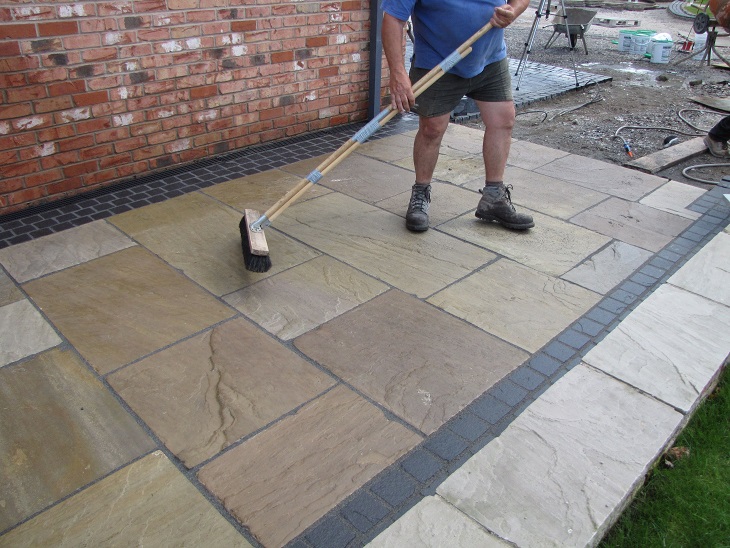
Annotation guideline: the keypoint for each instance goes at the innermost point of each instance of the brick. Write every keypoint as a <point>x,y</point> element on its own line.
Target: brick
<point>9,49</point>
<point>64,88</point>
<point>53,104</point>
<point>58,28</point>
<point>80,169</point>
<point>243,26</point>
<point>43,178</point>
<point>17,31</point>
<point>204,91</point>
<point>282,57</point>
<point>92,98</point>
<point>26,195</point>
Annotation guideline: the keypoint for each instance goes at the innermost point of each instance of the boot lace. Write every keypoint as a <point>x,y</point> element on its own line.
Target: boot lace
<point>419,199</point>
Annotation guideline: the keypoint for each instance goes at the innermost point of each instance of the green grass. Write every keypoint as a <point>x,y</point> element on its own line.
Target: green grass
<point>688,505</point>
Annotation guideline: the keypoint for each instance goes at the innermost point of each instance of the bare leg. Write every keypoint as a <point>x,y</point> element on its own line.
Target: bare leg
<point>499,119</point>
<point>427,144</point>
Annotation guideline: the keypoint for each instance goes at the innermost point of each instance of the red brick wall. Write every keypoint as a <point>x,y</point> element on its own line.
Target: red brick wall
<point>95,92</point>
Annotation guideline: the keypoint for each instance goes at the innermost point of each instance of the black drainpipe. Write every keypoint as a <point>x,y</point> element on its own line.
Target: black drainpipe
<point>376,58</point>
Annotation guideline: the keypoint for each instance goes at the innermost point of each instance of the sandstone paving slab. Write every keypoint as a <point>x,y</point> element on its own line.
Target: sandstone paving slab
<point>285,478</point>
<point>530,156</point>
<point>378,243</point>
<point>667,157</point>
<point>199,236</point>
<point>207,392</point>
<point>447,202</point>
<point>60,430</point>
<point>261,190</point>
<point>453,166</point>
<point>419,362</point>
<point>609,267</point>
<point>560,472</point>
<point>9,293</point>
<point>147,503</point>
<point>603,177</point>
<point>389,149</point>
<point>670,346</point>
<point>462,139</point>
<point>546,194</point>
<point>708,272</point>
<point>553,246</point>
<point>633,223</point>
<point>303,297</point>
<point>674,197</point>
<point>515,303</point>
<point>368,179</point>
<point>23,332</point>
<point>435,523</point>
<point>123,306</point>
<point>55,252</point>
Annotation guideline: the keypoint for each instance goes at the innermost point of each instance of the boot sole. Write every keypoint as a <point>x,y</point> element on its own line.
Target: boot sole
<point>416,228</point>
<point>513,226</point>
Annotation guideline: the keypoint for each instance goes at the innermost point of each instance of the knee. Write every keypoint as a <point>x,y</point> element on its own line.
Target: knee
<point>431,131</point>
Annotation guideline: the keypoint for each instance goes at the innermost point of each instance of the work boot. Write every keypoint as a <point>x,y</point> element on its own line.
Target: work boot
<point>496,205</point>
<point>417,215</point>
<point>717,148</point>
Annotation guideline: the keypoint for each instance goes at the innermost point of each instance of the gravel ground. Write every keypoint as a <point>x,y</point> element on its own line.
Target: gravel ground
<point>658,97</point>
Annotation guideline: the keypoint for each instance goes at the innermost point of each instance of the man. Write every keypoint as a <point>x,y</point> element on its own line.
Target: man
<point>440,27</point>
<point>717,138</point>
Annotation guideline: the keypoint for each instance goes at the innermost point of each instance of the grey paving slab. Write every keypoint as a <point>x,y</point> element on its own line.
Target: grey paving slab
<point>23,332</point>
<point>559,473</point>
<point>124,509</point>
<point>55,252</point>
<point>553,246</point>
<point>9,293</point>
<point>674,197</point>
<point>669,346</point>
<point>633,223</point>
<point>601,176</point>
<point>515,303</point>
<point>609,267</point>
<point>708,272</point>
<point>435,523</point>
<point>378,243</point>
<point>417,361</point>
<point>304,297</point>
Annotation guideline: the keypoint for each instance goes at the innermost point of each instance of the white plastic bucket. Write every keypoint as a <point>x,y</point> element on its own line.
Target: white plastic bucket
<point>700,43</point>
<point>625,39</point>
<point>660,50</point>
<point>639,43</point>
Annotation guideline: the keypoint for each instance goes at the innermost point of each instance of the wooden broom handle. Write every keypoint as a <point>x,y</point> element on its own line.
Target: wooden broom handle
<point>379,121</point>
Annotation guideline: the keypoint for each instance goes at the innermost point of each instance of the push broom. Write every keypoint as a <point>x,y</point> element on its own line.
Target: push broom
<point>253,241</point>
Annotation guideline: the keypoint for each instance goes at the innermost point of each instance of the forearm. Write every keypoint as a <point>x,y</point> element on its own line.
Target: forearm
<point>392,35</point>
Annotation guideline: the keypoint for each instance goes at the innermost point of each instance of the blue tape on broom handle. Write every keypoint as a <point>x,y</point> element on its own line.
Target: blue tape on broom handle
<point>314,176</point>
<point>371,127</point>
<point>448,63</point>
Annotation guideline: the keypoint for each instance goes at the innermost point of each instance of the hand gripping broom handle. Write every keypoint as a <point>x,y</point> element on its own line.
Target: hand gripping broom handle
<point>366,132</point>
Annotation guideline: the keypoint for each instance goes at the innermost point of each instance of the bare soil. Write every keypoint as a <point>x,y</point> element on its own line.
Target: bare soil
<point>657,97</point>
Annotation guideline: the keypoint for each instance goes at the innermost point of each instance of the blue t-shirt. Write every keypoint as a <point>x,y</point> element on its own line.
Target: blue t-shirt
<point>441,26</point>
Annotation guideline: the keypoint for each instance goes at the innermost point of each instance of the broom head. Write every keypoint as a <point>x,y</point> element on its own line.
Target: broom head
<point>253,244</point>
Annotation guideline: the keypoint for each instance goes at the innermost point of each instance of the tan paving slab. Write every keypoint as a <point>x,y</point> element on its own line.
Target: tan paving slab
<point>61,429</point>
<point>333,446</point>
<point>546,194</point>
<point>515,303</point>
<point>562,470</point>
<point>609,267</point>
<point>453,166</point>
<point>670,346</point>
<point>674,197</point>
<point>368,179</point>
<point>462,139</point>
<point>603,177</point>
<point>525,155</point>
<point>55,252</point>
<point>553,246</point>
<point>435,523</point>
<point>447,202</point>
<point>664,158</point>
<point>708,272</point>
<point>199,236</point>
<point>420,363</point>
<point>203,394</point>
<point>305,296</point>
<point>389,149</point>
<point>261,190</point>
<point>123,306</point>
<point>23,332</point>
<point>633,223</point>
<point>148,503</point>
<point>378,243</point>
<point>9,293</point>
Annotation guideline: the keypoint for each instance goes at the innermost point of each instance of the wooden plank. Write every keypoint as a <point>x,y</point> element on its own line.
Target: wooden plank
<point>257,240</point>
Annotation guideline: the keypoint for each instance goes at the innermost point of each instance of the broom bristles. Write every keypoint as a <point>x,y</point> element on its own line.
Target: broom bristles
<point>252,262</point>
